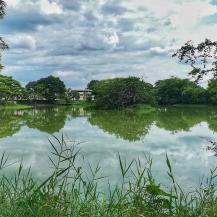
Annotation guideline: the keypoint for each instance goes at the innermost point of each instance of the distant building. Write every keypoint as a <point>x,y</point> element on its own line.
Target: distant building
<point>83,94</point>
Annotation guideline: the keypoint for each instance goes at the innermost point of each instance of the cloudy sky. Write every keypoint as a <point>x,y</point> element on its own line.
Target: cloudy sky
<point>81,40</point>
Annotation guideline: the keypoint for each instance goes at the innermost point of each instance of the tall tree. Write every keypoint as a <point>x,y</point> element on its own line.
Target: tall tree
<point>121,92</point>
<point>91,84</point>
<point>51,88</point>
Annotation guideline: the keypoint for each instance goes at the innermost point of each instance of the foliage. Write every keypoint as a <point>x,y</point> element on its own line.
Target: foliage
<point>91,85</point>
<point>212,90</point>
<point>31,85</point>
<point>201,57</point>
<point>2,8</point>
<point>179,91</point>
<point>10,89</point>
<point>3,45</point>
<point>51,88</point>
<point>114,93</point>
<point>70,190</point>
<point>121,92</point>
<point>194,95</point>
<point>72,94</point>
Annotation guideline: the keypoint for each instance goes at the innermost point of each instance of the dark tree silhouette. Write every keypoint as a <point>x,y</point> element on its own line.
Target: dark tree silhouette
<point>2,8</point>
<point>201,57</point>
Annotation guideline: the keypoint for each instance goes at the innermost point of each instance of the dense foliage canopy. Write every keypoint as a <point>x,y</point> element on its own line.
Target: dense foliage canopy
<point>10,89</point>
<point>121,92</point>
<point>112,93</point>
<point>179,91</point>
<point>50,88</point>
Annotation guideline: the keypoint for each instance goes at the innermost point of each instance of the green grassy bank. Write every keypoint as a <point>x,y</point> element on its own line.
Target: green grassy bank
<point>15,106</point>
<point>141,108</point>
<point>71,191</point>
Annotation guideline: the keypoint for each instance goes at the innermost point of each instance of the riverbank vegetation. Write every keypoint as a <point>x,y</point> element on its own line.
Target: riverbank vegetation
<point>126,92</point>
<point>117,93</point>
<point>71,190</point>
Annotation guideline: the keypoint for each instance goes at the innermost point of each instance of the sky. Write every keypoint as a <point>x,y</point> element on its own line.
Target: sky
<point>81,40</point>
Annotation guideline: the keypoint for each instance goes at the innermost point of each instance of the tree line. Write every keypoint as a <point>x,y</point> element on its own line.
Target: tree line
<point>124,92</point>
<point>50,89</point>
<point>112,93</point>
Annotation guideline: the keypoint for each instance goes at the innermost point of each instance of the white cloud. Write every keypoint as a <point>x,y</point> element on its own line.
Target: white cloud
<point>112,39</point>
<point>50,7</point>
<point>22,41</point>
<point>98,39</point>
<point>12,3</point>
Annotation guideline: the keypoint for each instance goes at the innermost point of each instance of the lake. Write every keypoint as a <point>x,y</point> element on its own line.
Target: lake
<point>180,132</point>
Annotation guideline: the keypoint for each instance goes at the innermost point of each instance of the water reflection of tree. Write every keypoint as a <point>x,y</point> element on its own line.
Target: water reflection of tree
<point>49,120</point>
<point>133,127</point>
<point>212,120</point>
<point>10,123</point>
<point>176,119</point>
<point>126,125</point>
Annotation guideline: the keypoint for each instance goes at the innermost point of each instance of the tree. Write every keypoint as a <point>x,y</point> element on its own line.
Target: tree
<point>31,85</point>
<point>92,84</point>
<point>10,89</point>
<point>201,57</point>
<point>175,91</point>
<point>31,92</point>
<point>3,45</point>
<point>121,92</point>
<point>194,95</point>
<point>51,88</point>
<point>212,90</point>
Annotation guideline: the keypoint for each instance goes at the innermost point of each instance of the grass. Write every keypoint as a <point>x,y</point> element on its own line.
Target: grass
<point>139,108</point>
<point>144,109</point>
<point>71,191</point>
<point>15,106</point>
<point>83,104</point>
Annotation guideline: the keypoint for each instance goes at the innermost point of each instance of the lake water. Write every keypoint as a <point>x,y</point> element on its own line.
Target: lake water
<point>181,132</point>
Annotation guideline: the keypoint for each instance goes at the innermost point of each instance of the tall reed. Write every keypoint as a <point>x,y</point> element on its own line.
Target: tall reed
<point>72,191</point>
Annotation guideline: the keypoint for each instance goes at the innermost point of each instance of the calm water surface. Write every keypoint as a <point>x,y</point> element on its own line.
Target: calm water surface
<point>182,133</point>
